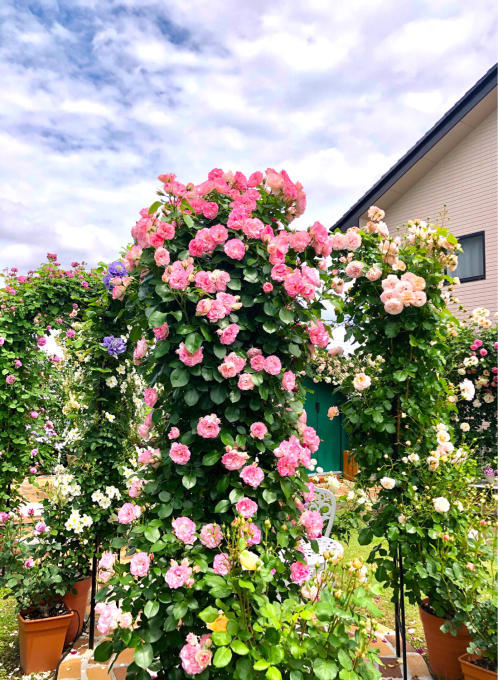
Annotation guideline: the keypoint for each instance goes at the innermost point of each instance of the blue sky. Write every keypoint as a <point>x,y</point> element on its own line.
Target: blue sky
<point>100,96</point>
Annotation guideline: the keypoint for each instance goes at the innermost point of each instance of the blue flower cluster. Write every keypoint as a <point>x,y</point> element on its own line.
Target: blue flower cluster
<point>114,346</point>
<point>115,269</point>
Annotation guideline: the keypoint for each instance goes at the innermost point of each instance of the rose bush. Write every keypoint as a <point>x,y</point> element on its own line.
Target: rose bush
<point>225,301</point>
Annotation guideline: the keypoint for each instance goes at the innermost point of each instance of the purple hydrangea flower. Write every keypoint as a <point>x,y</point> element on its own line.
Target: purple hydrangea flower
<point>114,346</point>
<point>116,268</point>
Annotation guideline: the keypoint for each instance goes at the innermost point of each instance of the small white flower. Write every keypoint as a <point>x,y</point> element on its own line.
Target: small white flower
<point>111,382</point>
<point>402,520</point>
<point>388,482</point>
<point>467,389</point>
<point>488,398</point>
<point>473,534</point>
<point>465,427</point>
<point>413,457</point>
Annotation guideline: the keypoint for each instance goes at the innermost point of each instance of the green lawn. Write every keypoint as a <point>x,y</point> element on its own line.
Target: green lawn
<point>415,633</point>
<point>9,656</point>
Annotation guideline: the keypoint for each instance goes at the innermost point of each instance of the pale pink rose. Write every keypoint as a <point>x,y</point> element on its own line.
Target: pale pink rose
<point>390,282</point>
<point>228,334</point>
<point>257,362</point>
<point>233,459</point>
<point>299,573</point>
<point>252,475</point>
<point>179,453</point>
<point>107,561</point>
<point>139,564</point>
<point>208,426</point>
<point>310,494</point>
<point>338,241</point>
<point>246,507</point>
<point>374,273</point>
<point>179,575</point>
<point>318,334</point>
<point>204,281</point>
<point>267,287</point>
<point>189,358</point>
<point>289,381</point>
<point>228,369</point>
<point>136,488</point>
<point>293,283</point>
<point>161,332</point>
<point>218,233</point>
<point>253,352</point>
<point>166,230</point>
<point>150,396</point>
<point>221,564</point>
<point>174,433</point>
<point>147,456</point>
<point>41,528</point>
<point>10,379</point>
<point>184,530</point>
<point>312,521</point>
<point>420,298</point>
<point>407,297</point>
<point>354,269</point>
<point>352,239</point>
<point>161,256</point>
<point>210,210</point>
<point>140,351</point>
<point>258,430</point>
<point>310,438</point>
<point>252,533</point>
<point>235,249</point>
<point>273,365</point>
<point>128,513</point>
<point>280,271</point>
<point>210,535</point>
<point>393,306</point>
<point>245,382</point>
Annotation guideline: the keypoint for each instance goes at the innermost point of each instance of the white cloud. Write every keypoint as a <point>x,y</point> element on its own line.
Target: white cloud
<point>97,99</point>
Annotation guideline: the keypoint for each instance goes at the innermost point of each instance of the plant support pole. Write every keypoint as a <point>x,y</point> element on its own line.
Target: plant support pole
<point>91,634</point>
<point>399,613</point>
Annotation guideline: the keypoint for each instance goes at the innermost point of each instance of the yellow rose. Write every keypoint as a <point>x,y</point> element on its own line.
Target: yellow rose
<point>249,560</point>
<point>219,625</point>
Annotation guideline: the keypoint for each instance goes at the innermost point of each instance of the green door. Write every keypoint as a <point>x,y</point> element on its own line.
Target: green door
<point>331,432</point>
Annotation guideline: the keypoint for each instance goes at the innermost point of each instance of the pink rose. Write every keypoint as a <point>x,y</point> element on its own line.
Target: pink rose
<point>257,362</point>
<point>258,430</point>
<point>184,530</point>
<point>312,521</point>
<point>189,358</point>
<point>179,574</point>
<point>147,456</point>
<point>318,334</point>
<point>10,379</point>
<point>139,564</point>
<point>273,365</point>
<point>174,433</point>
<point>179,453</point>
<point>209,426</point>
<point>393,306</point>
<point>246,507</point>
<point>128,512</point>
<point>352,239</point>
<point>107,561</point>
<point>210,535</point>
<point>161,257</point>
<point>221,564</point>
<point>161,332</point>
<point>210,210</point>
<point>228,334</point>
<point>252,475</point>
<point>374,273</point>
<point>288,381</point>
<point>267,287</point>
<point>245,382</point>
<point>150,396</point>
<point>299,573</point>
<point>218,233</point>
<point>235,249</point>
<point>140,351</point>
<point>233,459</point>
<point>354,269</point>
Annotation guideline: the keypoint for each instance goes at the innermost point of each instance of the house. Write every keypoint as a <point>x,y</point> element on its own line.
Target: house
<point>452,168</point>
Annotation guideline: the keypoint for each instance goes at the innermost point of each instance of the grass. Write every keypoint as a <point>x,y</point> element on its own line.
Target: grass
<point>415,633</point>
<point>9,654</point>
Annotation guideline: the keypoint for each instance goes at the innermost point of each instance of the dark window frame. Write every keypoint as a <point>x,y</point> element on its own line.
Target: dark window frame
<point>482,234</point>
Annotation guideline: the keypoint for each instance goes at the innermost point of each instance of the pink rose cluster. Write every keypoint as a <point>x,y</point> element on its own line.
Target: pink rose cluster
<point>179,274</point>
<point>210,535</point>
<point>400,293</point>
<point>252,475</point>
<point>140,564</point>
<point>299,573</point>
<point>212,282</point>
<point>233,459</point>
<point>179,453</point>
<point>179,574</point>
<point>184,529</point>
<point>195,655</point>
<point>149,457</point>
<point>232,365</point>
<point>290,454</point>
<point>207,239</point>
<point>208,427</point>
<point>128,513</point>
<point>110,617</point>
<point>318,334</point>
<point>312,521</point>
<point>219,308</point>
<point>228,335</point>
<point>303,282</point>
<point>189,358</point>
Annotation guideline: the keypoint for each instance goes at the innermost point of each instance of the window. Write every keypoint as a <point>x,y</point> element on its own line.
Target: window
<point>471,262</point>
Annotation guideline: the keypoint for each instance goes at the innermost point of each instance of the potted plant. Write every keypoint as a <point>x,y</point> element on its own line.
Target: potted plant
<point>38,587</point>
<point>480,663</point>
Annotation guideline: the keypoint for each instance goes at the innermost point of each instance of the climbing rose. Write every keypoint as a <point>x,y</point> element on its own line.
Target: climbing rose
<point>233,459</point>
<point>128,512</point>
<point>288,381</point>
<point>179,453</point>
<point>235,249</point>
<point>245,382</point>
<point>441,504</point>
<point>312,521</point>
<point>387,483</point>
<point>189,358</point>
<point>179,574</point>
<point>184,530</point>
<point>267,287</point>
<point>139,564</point>
<point>361,381</point>
<point>10,379</point>
<point>258,430</point>
<point>210,535</point>
<point>161,332</point>
<point>195,657</point>
<point>228,334</point>
<point>150,396</point>
<point>221,564</point>
<point>273,365</point>
<point>140,351</point>
<point>246,507</point>
<point>299,573</point>
<point>252,475</point>
<point>208,426</point>
<point>174,433</point>
<point>318,334</point>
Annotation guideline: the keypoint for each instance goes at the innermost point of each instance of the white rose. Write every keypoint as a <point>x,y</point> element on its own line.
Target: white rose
<point>111,382</point>
<point>413,457</point>
<point>441,504</point>
<point>467,389</point>
<point>473,534</point>
<point>402,520</point>
<point>488,398</point>
<point>361,381</point>
<point>476,403</point>
<point>465,427</point>
<point>388,482</point>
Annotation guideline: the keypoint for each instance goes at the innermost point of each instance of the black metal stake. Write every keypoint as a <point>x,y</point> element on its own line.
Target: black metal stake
<point>399,612</point>
<point>91,634</point>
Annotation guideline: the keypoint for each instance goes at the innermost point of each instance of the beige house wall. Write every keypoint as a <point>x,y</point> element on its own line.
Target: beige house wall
<point>465,180</point>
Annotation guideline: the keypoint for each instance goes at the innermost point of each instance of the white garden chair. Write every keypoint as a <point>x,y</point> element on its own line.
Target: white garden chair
<point>325,502</point>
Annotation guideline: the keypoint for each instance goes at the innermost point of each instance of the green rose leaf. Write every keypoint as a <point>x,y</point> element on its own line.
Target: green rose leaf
<point>103,651</point>
<point>179,377</point>
<point>273,673</point>
<point>239,647</point>
<point>211,458</point>
<point>193,341</point>
<point>144,656</point>
<point>324,669</point>
<point>222,657</point>
<point>151,608</point>
<point>157,319</point>
<point>222,506</point>
<point>286,315</point>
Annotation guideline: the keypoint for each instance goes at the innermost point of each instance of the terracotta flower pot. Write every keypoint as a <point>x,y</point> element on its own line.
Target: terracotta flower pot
<point>77,601</point>
<point>443,648</point>
<point>41,642</point>
<point>472,671</point>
